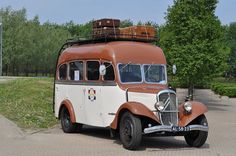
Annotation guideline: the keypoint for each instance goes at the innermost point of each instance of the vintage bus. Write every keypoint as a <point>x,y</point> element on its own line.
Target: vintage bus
<point>122,84</point>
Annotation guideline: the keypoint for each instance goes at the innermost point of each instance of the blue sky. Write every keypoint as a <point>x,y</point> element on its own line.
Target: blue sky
<point>82,11</point>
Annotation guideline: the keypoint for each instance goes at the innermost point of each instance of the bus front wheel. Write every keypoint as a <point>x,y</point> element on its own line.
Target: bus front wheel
<point>130,129</point>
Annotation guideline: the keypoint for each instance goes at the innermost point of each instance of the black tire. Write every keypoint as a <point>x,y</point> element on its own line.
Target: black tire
<point>66,124</point>
<point>197,138</point>
<point>130,129</point>
<point>114,134</point>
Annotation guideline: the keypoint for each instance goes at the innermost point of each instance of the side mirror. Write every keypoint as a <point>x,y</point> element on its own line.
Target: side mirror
<point>174,69</point>
<point>102,70</point>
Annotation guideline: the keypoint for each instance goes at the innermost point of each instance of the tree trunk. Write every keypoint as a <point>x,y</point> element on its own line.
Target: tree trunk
<point>36,72</point>
<point>27,69</point>
<point>17,71</point>
<point>13,69</point>
<point>190,92</point>
<point>6,69</point>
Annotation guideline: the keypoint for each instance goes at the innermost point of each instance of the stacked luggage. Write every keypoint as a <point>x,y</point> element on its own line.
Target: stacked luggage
<point>110,28</point>
<point>106,28</point>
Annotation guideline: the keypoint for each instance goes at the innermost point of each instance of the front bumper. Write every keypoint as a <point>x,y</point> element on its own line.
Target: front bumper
<point>173,129</point>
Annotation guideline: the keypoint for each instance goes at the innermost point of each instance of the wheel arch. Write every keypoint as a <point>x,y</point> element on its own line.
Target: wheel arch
<point>135,108</point>
<point>69,106</point>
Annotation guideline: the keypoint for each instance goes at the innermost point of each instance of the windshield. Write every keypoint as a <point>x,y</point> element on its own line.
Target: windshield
<point>154,73</point>
<point>130,73</point>
<point>136,73</point>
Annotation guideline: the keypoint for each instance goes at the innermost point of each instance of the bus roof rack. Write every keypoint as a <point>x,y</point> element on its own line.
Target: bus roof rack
<point>104,38</point>
<point>110,38</point>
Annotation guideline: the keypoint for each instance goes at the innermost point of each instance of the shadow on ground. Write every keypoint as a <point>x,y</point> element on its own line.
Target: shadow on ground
<point>150,143</point>
<point>98,132</point>
<point>166,143</point>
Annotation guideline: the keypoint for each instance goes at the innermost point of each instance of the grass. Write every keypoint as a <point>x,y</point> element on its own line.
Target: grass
<point>28,102</point>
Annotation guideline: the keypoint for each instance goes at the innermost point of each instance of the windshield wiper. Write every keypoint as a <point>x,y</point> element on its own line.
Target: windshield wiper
<point>148,69</point>
<point>126,65</point>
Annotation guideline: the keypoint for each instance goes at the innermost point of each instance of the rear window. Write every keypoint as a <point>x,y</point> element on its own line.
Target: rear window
<point>63,72</point>
<point>109,76</point>
<point>93,70</point>
<point>76,70</point>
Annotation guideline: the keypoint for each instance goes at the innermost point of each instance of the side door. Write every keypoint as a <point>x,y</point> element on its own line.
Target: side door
<point>93,102</point>
<point>76,89</point>
<point>109,94</point>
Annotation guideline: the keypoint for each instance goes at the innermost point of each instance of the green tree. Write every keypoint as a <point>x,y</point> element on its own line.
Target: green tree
<point>53,36</point>
<point>79,30</point>
<point>13,22</point>
<point>191,39</point>
<point>85,30</point>
<point>28,46</point>
<point>126,23</point>
<point>231,38</point>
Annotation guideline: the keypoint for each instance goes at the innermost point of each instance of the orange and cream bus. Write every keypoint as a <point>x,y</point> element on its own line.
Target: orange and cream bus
<point>122,84</point>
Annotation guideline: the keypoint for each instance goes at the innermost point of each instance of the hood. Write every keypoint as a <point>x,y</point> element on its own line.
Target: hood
<point>144,88</point>
<point>147,95</point>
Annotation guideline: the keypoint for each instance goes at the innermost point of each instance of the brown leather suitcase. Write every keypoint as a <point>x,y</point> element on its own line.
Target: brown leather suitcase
<point>138,32</point>
<point>126,32</point>
<point>106,22</point>
<point>144,31</point>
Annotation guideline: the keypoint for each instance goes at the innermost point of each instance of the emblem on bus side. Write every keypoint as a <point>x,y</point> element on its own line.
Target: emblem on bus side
<point>92,94</point>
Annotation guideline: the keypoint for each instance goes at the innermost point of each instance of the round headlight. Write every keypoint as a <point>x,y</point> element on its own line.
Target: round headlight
<point>188,106</point>
<point>159,106</point>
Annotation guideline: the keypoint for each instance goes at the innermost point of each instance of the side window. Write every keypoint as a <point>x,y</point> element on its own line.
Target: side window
<point>63,72</point>
<point>93,70</point>
<point>110,76</point>
<point>76,71</point>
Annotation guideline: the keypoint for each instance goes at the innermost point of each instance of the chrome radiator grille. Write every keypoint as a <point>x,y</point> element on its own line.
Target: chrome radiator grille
<point>169,116</point>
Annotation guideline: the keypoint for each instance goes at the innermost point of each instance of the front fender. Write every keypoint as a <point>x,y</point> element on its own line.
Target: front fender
<point>135,108</point>
<point>197,110</point>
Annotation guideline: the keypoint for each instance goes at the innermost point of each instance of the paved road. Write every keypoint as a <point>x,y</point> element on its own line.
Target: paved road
<point>96,141</point>
<point>5,79</point>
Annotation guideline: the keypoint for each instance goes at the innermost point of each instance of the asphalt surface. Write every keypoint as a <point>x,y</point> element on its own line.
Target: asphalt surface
<point>96,141</point>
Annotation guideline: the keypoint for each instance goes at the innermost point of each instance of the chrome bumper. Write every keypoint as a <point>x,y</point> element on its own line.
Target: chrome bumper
<point>164,128</point>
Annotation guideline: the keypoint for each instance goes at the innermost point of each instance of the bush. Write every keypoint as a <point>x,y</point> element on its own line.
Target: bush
<point>230,92</point>
<point>226,89</point>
